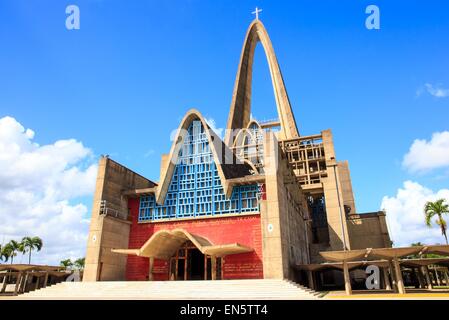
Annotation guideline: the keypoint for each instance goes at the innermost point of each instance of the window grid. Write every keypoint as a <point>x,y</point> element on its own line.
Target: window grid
<point>195,189</point>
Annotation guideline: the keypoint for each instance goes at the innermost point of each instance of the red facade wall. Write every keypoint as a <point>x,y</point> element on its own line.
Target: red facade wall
<point>245,230</point>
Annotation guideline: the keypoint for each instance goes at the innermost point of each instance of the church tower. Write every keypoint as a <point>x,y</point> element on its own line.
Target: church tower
<point>325,182</point>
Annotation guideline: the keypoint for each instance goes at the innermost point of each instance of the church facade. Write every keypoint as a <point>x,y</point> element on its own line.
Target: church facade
<point>254,205</point>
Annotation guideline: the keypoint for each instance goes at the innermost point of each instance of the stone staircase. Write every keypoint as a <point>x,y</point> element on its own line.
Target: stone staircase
<point>173,290</point>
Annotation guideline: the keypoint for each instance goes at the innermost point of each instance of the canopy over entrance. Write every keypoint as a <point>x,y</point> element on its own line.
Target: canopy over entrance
<point>164,243</point>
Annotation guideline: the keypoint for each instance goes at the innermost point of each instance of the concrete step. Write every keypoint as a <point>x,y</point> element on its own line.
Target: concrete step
<point>221,289</point>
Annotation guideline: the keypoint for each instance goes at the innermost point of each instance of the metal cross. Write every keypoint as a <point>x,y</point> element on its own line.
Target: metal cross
<point>256,12</point>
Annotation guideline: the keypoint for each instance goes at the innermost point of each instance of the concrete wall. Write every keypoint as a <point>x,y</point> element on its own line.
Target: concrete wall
<point>368,230</point>
<point>333,193</point>
<point>285,234</point>
<point>107,232</point>
<point>346,186</point>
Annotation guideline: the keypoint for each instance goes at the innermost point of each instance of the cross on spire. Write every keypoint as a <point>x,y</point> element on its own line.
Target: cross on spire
<point>256,12</point>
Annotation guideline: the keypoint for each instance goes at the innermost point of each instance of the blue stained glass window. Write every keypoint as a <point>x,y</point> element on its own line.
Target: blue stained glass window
<point>195,189</point>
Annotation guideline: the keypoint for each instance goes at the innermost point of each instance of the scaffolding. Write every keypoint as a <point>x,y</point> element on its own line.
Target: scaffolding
<point>307,158</point>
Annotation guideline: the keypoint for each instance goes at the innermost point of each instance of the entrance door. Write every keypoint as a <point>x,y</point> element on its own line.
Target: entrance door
<point>189,263</point>
<point>195,264</point>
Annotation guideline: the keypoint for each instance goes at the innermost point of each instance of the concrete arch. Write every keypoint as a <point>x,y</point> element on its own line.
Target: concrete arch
<point>240,137</point>
<point>224,158</point>
<point>239,115</point>
<point>253,122</point>
<point>239,143</point>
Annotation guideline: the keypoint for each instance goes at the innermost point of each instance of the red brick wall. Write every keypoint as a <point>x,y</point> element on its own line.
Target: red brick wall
<point>245,230</point>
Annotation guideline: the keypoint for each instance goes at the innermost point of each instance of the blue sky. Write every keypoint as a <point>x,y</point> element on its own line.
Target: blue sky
<point>123,82</point>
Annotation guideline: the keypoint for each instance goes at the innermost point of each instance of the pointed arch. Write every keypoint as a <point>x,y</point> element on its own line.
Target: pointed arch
<point>228,165</point>
<point>239,115</point>
<point>248,145</point>
<point>253,123</point>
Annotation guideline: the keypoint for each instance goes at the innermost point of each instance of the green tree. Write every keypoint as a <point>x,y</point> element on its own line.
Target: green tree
<point>437,209</point>
<point>29,244</point>
<point>79,263</point>
<point>67,263</point>
<point>2,254</point>
<point>10,250</point>
<point>6,252</point>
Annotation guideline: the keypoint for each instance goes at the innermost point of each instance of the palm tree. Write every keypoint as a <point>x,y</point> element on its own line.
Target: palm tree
<point>8,252</point>
<point>79,263</point>
<point>2,254</point>
<point>437,208</point>
<point>67,263</point>
<point>31,243</point>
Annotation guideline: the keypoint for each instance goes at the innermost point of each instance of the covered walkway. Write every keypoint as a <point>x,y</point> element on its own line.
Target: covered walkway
<point>25,277</point>
<point>390,261</point>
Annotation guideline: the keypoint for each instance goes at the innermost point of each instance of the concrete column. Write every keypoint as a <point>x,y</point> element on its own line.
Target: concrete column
<point>214,267</point>
<point>428,280</point>
<point>347,277</point>
<point>393,277</point>
<point>24,283</point>
<point>310,279</point>
<point>45,280</point>
<point>419,273</point>
<point>400,281</point>
<point>150,269</point>
<point>386,279</point>
<point>432,276</point>
<point>437,277</point>
<point>4,283</point>
<point>16,288</point>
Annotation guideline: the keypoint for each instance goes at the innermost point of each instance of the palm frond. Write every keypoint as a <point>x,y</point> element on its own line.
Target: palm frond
<point>436,208</point>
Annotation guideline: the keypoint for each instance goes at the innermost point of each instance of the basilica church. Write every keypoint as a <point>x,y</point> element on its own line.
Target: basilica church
<point>256,204</point>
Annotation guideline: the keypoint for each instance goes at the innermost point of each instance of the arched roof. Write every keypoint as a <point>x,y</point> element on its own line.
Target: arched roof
<point>228,166</point>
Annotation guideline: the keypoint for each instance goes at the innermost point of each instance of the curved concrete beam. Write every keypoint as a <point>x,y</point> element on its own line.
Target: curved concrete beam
<point>220,156</point>
<point>240,112</point>
<point>164,243</point>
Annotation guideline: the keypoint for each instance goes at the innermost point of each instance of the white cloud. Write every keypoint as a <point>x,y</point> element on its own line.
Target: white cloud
<point>436,91</point>
<point>405,214</point>
<point>149,153</point>
<point>427,155</point>
<point>40,187</point>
